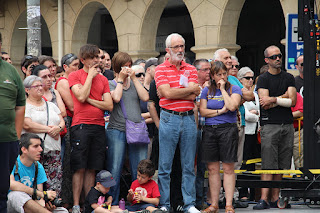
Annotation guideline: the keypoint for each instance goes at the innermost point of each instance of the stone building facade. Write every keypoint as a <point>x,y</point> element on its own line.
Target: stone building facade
<point>136,23</point>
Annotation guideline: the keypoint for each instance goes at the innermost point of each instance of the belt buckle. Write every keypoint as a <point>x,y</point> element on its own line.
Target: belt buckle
<point>181,113</point>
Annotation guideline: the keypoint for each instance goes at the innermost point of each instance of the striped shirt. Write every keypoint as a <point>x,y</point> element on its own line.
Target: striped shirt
<point>167,73</point>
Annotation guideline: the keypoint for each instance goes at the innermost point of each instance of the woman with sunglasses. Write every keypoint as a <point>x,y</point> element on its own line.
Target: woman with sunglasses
<point>218,104</point>
<point>251,148</point>
<point>125,87</point>
<point>44,119</point>
<point>50,94</point>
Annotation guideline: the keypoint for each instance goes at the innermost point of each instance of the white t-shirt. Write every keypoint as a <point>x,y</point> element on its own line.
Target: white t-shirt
<point>39,115</point>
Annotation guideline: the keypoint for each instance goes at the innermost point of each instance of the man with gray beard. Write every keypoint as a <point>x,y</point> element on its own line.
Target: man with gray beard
<point>177,84</point>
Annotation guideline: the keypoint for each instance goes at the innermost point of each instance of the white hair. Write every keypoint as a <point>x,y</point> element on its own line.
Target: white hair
<point>216,54</point>
<point>29,80</point>
<point>243,71</point>
<point>169,38</point>
<point>136,68</point>
<point>235,58</point>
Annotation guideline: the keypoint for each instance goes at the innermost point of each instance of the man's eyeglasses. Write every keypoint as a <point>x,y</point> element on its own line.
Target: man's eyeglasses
<point>205,70</point>
<point>36,86</point>
<point>248,77</point>
<point>138,75</point>
<point>178,47</point>
<point>236,66</point>
<point>47,76</point>
<point>274,57</point>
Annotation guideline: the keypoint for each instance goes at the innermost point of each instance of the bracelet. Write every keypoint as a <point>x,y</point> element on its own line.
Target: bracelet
<point>45,196</point>
<point>120,82</point>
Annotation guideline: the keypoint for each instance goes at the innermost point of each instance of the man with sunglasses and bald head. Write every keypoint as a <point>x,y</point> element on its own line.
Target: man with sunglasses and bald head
<point>277,93</point>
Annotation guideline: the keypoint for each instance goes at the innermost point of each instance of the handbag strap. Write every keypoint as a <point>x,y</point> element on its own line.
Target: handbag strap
<point>123,108</point>
<point>45,135</point>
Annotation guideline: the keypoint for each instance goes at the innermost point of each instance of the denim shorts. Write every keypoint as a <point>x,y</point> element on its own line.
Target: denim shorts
<point>276,146</point>
<point>89,145</point>
<point>220,143</point>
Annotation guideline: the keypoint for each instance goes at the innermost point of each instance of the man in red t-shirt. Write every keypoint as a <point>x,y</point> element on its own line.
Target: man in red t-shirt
<point>177,84</point>
<point>91,97</point>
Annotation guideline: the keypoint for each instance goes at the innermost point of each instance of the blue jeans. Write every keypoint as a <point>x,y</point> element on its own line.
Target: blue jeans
<point>116,150</point>
<point>175,128</point>
<point>201,168</point>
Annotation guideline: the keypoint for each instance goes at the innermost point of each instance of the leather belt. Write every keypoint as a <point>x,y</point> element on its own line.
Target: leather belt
<point>190,112</point>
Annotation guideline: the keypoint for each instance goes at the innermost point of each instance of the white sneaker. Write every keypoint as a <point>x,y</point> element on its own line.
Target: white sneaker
<point>76,209</point>
<point>163,208</point>
<point>193,209</point>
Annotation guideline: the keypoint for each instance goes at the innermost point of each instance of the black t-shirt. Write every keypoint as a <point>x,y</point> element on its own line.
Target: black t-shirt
<point>277,85</point>
<point>92,198</point>
<point>299,83</point>
<point>109,74</point>
<point>153,96</point>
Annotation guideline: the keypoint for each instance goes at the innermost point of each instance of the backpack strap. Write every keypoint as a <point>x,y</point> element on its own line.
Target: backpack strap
<point>16,171</point>
<point>34,196</point>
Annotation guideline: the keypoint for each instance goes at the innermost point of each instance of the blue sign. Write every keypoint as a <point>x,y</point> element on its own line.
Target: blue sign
<point>294,47</point>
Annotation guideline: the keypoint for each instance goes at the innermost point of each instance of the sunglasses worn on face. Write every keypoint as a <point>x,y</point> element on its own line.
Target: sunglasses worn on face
<point>138,75</point>
<point>248,77</point>
<point>301,64</point>
<point>274,57</point>
<point>236,66</point>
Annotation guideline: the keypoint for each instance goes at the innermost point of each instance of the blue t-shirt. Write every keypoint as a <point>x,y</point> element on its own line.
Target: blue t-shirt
<point>27,173</point>
<point>217,102</point>
<point>234,81</point>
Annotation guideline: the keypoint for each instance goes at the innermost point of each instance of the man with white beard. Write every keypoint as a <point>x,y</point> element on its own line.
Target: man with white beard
<point>177,84</point>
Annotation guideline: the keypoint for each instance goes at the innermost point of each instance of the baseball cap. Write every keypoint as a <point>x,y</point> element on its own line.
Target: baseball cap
<point>150,62</point>
<point>105,178</point>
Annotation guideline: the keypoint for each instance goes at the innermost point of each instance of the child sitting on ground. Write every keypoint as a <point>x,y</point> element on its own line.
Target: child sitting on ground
<point>98,200</point>
<point>144,192</point>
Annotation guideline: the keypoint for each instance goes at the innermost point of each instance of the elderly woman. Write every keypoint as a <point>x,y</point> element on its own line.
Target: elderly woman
<point>218,104</point>
<point>127,88</point>
<point>50,94</point>
<point>251,148</point>
<point>44,119</point>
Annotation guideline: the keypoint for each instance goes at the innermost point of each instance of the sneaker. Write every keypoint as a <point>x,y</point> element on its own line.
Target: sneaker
<point>273,204</point>
<point>179,208</point>
<point>76,209</point>
<point>164,209</point>
<point>143,211</point>
<point>262,204</point>
<point>193,209</point>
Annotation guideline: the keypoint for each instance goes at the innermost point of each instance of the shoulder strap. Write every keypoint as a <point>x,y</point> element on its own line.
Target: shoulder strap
<point>45,135</point>
<point>16,171</point>
<point>34,196</point>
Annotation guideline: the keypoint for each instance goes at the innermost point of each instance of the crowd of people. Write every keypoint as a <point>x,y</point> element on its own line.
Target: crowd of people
<point>79,124</point>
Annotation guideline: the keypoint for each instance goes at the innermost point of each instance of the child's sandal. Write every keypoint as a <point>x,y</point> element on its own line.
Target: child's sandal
<point>211,209</point>
<point>229,209</point>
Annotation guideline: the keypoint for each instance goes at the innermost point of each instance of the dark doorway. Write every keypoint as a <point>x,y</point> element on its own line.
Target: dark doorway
<point>261,24</point>
<point>102,31</point>
<point>175,19</point>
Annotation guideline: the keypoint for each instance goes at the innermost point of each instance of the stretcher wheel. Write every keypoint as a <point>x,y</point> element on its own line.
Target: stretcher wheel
<point>282,202</point>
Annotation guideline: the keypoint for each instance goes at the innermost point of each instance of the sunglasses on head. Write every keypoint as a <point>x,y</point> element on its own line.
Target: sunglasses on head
<point>248,77</point>
<point>236,66</point>
<point>274,57</point>
<point>138,75</point>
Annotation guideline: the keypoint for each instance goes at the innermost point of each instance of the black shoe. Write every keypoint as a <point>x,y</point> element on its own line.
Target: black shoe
<point>240,204</point>
<point>262,204</point>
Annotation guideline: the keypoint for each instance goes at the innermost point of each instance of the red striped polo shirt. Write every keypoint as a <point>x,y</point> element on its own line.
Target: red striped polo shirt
<point>167,73</point>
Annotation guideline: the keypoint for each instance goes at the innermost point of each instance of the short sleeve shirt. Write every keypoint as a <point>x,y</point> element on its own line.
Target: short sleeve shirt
<point>167,73</point>
<point>27,173</point>
<point>216,101</point>
<point>93,196</point>
<point>149,189</point>
<point>85,113</point>
<point>277,85</point>
<point>12,94</point>
<point>298,107</point>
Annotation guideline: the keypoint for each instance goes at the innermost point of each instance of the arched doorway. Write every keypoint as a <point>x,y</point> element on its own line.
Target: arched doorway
<point>261,24</point>
<point>19,39</point>
<point>175,19</point>
<point>95,25</point>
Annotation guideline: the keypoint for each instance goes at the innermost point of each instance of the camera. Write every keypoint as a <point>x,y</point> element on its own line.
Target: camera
<point>57,202</point>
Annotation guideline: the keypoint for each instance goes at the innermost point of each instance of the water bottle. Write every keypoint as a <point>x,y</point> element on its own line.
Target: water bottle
<point>122,204</point>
